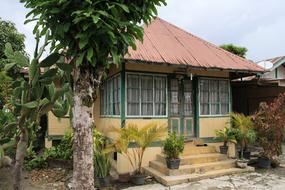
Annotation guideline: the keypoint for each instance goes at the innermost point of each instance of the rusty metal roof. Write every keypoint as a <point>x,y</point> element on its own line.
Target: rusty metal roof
<point>166,43</point>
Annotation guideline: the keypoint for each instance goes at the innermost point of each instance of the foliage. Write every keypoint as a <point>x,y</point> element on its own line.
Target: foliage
<point>140,137</point>
<point>73,23</point>
<point>9,34</point>
<point>173,146</point>
<point>5,88</point>
<point>245,133</point>
<point>270,126</point>
<point>6,132</point>
<point>99,140</point>
<point>61,151</point>
<point>226,135</point>
<point>237,50</point>
<point>102,164</point>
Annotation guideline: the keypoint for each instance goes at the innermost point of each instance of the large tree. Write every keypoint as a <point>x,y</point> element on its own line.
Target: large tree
<point>94,35</point>
<point>237,50</point>
<point>9,33</point>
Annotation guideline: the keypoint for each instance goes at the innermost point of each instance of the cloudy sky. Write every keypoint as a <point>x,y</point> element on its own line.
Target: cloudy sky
<point>258,25</point>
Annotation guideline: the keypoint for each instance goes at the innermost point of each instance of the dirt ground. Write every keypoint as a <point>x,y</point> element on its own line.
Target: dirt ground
<point>49,179</point>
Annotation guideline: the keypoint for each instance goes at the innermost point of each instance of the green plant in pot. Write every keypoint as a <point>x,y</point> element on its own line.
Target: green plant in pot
<point>102,169</point>
<point>173,147</point>
<point>244,133</point>
<point>226,135</point>
<point>140,138</point>
<point>102,164</point>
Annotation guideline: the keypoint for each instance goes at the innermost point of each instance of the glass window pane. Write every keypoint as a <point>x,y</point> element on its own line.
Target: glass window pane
<point>133,95</point>
<point>160,96</point>
<point>188,108</point>
<point>147,95</point>
<point>174,97</point>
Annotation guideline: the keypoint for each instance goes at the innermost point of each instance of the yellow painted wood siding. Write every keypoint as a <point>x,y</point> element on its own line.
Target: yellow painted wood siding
<point>57,126</point>
<point>208,125</point>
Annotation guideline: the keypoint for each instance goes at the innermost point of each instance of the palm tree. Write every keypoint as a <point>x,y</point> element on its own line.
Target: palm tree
<point>245,133</point>
<point>140,137</point>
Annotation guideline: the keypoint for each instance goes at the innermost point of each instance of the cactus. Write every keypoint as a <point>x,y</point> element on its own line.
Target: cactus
<point>36,96</point>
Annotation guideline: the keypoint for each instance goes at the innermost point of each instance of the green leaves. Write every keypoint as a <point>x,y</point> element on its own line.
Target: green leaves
<point>32,104</point>
<point>50,60</point>
<point>93,31</point>
<point>14,58</point>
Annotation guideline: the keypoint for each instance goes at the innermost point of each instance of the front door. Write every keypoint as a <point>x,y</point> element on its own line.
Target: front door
<point>182,107</point>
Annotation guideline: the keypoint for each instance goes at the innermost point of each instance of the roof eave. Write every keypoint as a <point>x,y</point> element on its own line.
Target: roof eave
<point>196,67</point>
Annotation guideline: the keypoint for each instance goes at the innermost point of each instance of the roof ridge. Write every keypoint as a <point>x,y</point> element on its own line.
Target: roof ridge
<point>204,41</point>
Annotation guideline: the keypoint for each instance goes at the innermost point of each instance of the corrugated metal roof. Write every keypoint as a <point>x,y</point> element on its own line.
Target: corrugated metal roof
<point>166,43</point>
<point>275,59</point>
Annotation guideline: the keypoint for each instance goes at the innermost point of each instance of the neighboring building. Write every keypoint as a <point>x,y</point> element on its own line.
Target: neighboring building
<point>174,78</point>
<point>249,92</point>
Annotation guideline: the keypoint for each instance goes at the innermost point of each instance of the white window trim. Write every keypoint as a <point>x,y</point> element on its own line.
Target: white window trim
<point>229,91</point>
<point>112,115</point>
<point>126,95</point>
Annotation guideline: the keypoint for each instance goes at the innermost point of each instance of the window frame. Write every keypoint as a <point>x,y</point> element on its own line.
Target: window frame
<point>220,109</point>
<point>111,94</point>
<point>140,103</point>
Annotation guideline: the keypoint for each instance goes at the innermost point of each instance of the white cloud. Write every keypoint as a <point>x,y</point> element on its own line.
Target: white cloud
<point>256,24</point>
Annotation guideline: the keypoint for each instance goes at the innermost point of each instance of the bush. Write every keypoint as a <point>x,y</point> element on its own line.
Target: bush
<point>102,164</point>
<point>173,146</point>
<point>270,126</point>
<point>62,151</point>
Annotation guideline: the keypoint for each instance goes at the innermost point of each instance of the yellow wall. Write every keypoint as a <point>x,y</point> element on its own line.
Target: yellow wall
<point>208,125</point>
<point>57,126</point>
<point>124,166</point>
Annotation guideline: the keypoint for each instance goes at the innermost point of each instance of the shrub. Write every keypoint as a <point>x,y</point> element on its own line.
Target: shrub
<point>62,151</point>
<point>173,146</point>
<point>102,164</point>
<point>244,130</point>
<point>226,135</point>
<point>140,137</point>
<point>270,126</point>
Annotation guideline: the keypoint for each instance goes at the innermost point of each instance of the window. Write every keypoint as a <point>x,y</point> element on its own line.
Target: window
<point>214,97</point>
<point>110,96</point>
<point>146,95</point>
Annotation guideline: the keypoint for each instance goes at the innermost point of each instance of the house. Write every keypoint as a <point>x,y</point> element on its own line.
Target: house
<point>174,78</point>
<point>249,92</point>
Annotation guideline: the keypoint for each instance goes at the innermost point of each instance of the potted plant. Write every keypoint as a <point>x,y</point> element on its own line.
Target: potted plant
<point>226,135</point>
<point>140,138</point>
<point>270,126</point>
<point>173,146</point>
<point>102,169</point>
<point>102,164</point>
<point>244,133</point>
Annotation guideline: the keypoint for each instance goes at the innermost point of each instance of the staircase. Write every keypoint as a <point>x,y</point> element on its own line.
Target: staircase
<point>196,163</point>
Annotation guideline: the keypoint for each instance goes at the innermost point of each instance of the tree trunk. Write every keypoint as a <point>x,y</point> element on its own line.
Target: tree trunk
<point>83,171</point>
<point>20,155</point>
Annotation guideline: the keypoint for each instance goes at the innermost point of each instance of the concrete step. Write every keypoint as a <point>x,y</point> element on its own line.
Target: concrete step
<point>174,180</point>
<point>195,168</point>
<point>194,150</point>
<point>196,159</point>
